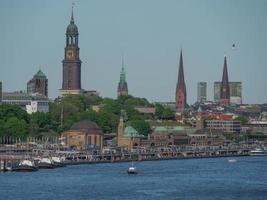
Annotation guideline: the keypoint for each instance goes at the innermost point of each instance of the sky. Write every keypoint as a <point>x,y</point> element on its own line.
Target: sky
<point>149,33</point>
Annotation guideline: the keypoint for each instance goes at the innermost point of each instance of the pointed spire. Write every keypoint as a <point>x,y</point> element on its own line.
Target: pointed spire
<point>72,18</point>
<point>122,75</point>
<point>225,72</point>
<point>181,70</point>
<point>180,87</point>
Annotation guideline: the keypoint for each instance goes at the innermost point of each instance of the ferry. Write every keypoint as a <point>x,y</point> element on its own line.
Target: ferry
<point>258,152</point>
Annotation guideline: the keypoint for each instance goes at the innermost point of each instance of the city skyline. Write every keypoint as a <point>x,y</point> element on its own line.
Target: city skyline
<point>146,61</point>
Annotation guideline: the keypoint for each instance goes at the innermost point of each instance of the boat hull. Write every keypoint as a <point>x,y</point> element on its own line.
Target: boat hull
<point>25,169</point>
<point>46,166</point>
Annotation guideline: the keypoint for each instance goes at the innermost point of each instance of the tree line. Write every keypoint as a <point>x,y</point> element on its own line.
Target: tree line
<point>64,112</point>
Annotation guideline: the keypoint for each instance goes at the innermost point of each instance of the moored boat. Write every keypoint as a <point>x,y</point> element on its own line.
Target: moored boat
<point>258,152</point>
<point>46,163</point>
<point>25,166</point>
<point>57,162</point>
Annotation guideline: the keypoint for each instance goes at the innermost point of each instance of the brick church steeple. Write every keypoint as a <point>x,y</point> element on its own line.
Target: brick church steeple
<point>71,83</point>
<point>122,86</point>
<point>180,87</point>
<point>225,90</point>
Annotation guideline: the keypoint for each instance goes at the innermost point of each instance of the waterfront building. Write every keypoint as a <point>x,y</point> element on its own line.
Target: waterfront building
<point>122,86</point>
<point>235,91</point>
<point>257,126</point>
<point>128,137</point>
<point>165,136</point>
<point>202,91</point>
<point>83,135</point>
<point>38,84</point>
<point>224,89</point>
<point>71,83</point>
<point>180,95</point>
<point>225,126</point>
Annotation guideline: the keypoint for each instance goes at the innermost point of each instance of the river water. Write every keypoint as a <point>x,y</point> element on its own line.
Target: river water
<point>212,178</point>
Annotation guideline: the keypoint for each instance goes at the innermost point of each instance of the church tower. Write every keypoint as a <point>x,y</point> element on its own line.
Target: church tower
<point>122,86</point>
<point>71,83</point>
<point>225,90</point>
<point>180,87</point>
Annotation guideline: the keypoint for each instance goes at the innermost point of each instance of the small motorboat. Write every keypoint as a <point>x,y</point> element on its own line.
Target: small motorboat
<point>25,166</point>
<point>132,169</point>
<point>58,162</point>
<point>46,163</point>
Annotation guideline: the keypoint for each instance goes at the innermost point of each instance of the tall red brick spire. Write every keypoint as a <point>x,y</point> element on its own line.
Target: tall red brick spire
<point>225,90</point>
<point>180,87</point>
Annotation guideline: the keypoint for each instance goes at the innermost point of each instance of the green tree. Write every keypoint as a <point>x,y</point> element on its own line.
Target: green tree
<point>242,119</point>
<point>16,127</point>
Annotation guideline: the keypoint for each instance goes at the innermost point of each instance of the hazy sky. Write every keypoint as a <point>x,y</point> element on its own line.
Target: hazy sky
<point>149,33</point>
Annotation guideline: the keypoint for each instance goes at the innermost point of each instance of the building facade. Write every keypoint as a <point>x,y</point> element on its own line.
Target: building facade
<point>31,103</point>
<point>38,84</point>
<point>71,83</point>
<point>180,95</point>
<point>202,91</point>
<point>122,86</point>
<point>225,126</point>
<point>38,106</point>
<point>128,137</point>
<point>83,135</point>
<point>235,91</point>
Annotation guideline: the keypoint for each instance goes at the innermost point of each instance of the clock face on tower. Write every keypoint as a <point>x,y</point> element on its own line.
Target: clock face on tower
<point>70,54</point>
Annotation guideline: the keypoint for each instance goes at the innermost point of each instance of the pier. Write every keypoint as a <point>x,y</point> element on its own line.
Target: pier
<point>11,156</point>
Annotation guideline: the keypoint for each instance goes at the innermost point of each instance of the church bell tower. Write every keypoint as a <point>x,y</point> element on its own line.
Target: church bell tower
<point>71,83</point>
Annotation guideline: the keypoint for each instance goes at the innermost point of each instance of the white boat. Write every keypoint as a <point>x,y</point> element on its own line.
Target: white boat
<point>57,161</point>
<point>132,169</point>
<point>46,163</point>
<point>25,166</point>
<point>258,152</point>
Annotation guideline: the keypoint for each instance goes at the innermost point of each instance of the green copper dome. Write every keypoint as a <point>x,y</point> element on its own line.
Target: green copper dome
<point>72,29</point>
<point>40,74</point>
<point>129,131</point>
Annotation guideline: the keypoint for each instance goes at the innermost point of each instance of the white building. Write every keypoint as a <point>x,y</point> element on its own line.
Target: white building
<point>38,106</point>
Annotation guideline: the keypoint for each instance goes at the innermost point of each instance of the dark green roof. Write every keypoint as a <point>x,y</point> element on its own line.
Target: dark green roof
<point>40,74</point>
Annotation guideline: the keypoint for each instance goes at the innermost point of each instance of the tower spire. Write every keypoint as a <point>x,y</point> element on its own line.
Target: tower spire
<point>225,72</point>
<point>122,86</point>
<point>72,18</point>
<point>180,87</point>
<point>181,70</point>
<point>225,90</point>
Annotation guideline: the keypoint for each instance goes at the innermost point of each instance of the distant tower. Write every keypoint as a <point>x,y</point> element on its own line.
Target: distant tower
<point>38,84</point>
<point>180,87</point>
<point>120,130</point>
<point>71,64</point>
<point>225,90</point>
<point>122,86</point>
<point>201,91</point>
